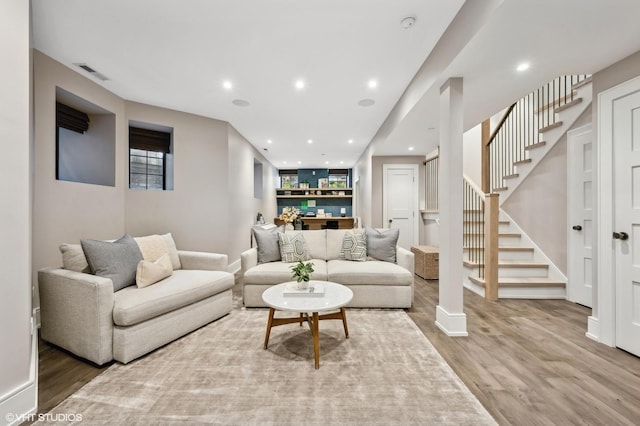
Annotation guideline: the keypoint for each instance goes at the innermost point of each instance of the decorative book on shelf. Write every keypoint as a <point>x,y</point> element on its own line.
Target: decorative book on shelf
<point>315,289</point>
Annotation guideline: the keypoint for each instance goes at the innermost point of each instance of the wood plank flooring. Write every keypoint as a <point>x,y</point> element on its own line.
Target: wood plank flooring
<point>527,361</point>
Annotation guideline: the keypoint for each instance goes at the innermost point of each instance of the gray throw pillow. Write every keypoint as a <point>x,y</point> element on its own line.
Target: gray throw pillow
<point>267,241</point>
<point>382,245</point>
<point>117,260</point>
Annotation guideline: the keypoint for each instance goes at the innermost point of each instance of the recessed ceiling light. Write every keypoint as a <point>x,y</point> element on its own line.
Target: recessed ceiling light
<point>227,85</point>
<point>350,140</point>
<point>240,102</point>
<point>284,162</point>
<point>366,102</point>
<point>299,162</point>
<point>410,148</point>
<point>299,84</point>
<point>523,67</point>
<point>269,141</point>
<point>326,162</point>
<point>342,162</point>
<point>372,84</point>
<point>309,141</point>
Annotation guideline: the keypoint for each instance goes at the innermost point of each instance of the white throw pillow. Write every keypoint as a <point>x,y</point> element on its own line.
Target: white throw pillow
<point>173,251</point>
<point>293,247</point>
<point>151,272</point>
<point>73,258</point>
<point>354,246</point>
<point>152,247</point>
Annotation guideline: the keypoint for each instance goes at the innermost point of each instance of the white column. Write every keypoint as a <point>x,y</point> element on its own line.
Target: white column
<point>449,315</point>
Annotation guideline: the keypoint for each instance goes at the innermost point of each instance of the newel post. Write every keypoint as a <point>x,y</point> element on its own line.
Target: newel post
<point>485,157</point>
<point>492,210</point>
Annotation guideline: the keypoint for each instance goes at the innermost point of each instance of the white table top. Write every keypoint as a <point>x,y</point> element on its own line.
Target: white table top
<point>335,296</point>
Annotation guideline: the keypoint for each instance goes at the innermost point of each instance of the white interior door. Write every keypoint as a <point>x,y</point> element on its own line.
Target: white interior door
<point>580,215</point>
<point>626,221</point>
<point>400,201</point>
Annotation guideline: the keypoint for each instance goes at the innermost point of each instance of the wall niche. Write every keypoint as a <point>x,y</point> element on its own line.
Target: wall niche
<point>85,141</point>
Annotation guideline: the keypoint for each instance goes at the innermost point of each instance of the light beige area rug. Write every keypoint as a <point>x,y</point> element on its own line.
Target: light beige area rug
<point>386,373</point>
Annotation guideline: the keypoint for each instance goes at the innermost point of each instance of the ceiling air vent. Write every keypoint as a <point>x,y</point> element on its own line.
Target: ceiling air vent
<point>91,71</point>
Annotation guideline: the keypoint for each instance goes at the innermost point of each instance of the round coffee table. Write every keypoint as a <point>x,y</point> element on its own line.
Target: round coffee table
<point>335,297</point>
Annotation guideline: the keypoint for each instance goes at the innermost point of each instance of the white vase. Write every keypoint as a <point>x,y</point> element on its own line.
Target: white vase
<point>303,285</point>
<point>288,227</point>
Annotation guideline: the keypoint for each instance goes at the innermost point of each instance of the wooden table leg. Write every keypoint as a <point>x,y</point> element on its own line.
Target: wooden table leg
<point>269,323</point>
<point>343,311</point>
<point>316,339</point>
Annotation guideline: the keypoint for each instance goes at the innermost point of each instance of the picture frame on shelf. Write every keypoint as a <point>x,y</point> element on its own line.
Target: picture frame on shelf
<point>323,182</point>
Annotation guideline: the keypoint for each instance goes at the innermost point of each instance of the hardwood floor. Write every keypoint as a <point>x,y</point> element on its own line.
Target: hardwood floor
<point>527,361</point>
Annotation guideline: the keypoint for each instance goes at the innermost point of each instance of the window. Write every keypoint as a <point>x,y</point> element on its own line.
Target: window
<point>146,169</point>
<point>148,154</point>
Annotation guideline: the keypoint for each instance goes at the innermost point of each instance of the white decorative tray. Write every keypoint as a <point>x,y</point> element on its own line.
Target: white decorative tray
<point>316,289</point>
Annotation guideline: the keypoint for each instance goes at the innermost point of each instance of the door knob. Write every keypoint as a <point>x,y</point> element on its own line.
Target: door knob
<point>390,220</point>
<point>621,236</point>
<point>577,227</point>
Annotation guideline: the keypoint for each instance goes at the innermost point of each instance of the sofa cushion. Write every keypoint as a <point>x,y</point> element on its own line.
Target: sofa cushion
<point>381,245</point>
<point>73,258</point>
<point>370,272</point>
<point>152,247</point>
<point>316,243</point>
<point>149,272</point>
<point>293,247</point>
<point>280,272</point>
<point>354,246</point>
<point>335,238</point>
<point>133,305</point>
<point>267,243</point>
<point>116,260</point>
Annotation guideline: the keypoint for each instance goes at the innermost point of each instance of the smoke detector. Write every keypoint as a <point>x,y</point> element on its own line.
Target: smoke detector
<point>408,22</point>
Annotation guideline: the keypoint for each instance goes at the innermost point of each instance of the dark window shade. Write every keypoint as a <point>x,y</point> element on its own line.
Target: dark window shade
<point>70,118</point>
<point>338,171</point>
<point>288,172</point>
<point>149,140</point>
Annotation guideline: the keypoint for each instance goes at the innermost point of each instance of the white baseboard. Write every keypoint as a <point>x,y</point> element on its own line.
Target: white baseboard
<point>21,404</point>
<point>454,325</point>
<point>593,328</point>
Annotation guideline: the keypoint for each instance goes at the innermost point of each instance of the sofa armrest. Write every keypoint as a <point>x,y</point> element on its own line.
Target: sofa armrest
<point>76,312</point>
<point>405,258</point>
<point>248,259</point>
<point>198,260</point>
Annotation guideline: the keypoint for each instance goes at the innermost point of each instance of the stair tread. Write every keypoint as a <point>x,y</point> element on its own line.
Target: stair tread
<point>535,145</point>
<point>505,248</point>
<point>526,160</point>
<point>581,83</point>
<point>568,105</point>
<point>500,234</point>
<point>513,176</point>
<point>522,282</point>
<point>513,264</point>
<point>550,127</point>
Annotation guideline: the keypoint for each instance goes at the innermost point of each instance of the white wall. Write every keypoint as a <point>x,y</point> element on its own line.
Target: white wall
<point>17,369</point>
<point>472,154</point>
<point>539,204</point>
<point>67,211</point>
<point>195,212</point>
<point>243,206</point>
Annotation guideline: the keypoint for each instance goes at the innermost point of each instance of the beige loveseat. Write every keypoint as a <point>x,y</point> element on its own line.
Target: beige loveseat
<point>375,284</point>
<point>82,313</point>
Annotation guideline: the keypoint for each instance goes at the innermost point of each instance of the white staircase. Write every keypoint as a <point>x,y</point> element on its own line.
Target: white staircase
<point>524,271</point>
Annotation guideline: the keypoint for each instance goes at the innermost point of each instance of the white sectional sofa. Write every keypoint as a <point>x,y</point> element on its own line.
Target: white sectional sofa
<point>375,283</point>
<point>82,313</point>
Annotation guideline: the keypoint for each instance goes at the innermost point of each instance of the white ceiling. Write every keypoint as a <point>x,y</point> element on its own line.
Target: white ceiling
<point>176,54</point>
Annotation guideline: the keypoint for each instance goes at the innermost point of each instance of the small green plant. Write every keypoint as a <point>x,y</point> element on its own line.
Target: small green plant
<point>302,271</point>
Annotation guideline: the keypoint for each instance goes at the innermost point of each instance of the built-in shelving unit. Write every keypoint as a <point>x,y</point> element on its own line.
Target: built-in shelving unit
<point>314,193</point>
